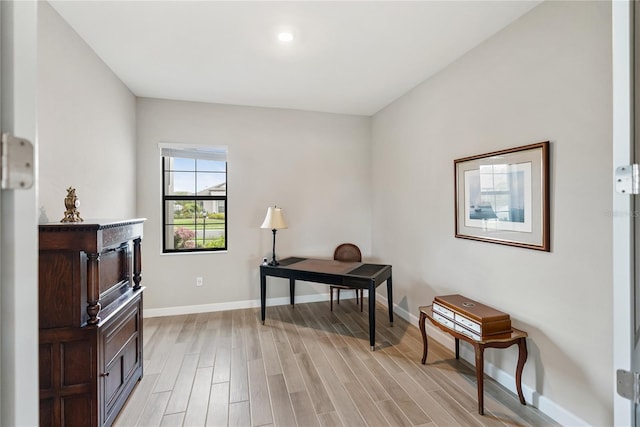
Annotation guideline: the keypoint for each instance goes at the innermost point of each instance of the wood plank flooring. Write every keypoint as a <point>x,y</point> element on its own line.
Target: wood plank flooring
<point>307,366</point>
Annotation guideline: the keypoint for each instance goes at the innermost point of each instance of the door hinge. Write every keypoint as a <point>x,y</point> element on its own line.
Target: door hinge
<point>628,385</point>
<point>628,179</point>
<point>17,163</point>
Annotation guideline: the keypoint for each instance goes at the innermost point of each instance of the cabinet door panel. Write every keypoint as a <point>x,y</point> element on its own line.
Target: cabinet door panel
<point>120,370</point>
<point>118,333</point>
<point>130,360</point>
<point>121,340</point>
<point>46,366</point>
<point>113,381</point>
<point>78,362</point>
<point>114,268</point>
<point>47,412</point>
<point>59,298</point>
<point>77,410</point>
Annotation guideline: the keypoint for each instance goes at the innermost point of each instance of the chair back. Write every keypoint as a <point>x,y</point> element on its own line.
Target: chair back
<point>347,252</point>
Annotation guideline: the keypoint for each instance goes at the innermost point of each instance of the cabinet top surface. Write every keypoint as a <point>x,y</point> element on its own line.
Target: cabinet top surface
<point>90,224</point>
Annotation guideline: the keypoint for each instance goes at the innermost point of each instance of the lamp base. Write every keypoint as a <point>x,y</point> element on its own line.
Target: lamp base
<point>273,261</point>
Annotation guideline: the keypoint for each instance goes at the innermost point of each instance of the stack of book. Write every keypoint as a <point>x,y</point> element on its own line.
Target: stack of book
<point>470,318</point>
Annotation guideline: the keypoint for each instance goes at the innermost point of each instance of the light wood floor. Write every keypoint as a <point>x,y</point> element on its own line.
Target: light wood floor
<point>307,367</point>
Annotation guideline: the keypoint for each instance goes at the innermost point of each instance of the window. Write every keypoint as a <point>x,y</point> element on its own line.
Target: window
<point>194,198</point>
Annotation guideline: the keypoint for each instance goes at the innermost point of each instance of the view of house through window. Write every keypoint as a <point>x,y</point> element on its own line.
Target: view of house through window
<point>194,198</point>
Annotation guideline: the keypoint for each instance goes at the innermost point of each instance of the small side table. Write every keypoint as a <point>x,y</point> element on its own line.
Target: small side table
<point>501,341</point>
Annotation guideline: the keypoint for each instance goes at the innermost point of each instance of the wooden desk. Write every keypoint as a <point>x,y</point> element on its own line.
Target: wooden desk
<point>354,274</point>
<point>499,341</point>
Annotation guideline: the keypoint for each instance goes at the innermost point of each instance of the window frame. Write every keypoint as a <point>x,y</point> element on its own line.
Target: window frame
<point>165,198</point>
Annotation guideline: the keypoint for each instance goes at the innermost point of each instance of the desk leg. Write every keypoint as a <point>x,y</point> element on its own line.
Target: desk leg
<point>292,289</point>
<point>425,345</point>
<point>457,348</point>
<point>263,296</point>
<point>480,376</point>
<point>522,358</point>
<point>390,299</point>
<point>372,315</point>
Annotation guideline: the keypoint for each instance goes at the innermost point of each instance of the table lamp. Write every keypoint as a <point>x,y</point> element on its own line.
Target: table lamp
<point>275,221</point>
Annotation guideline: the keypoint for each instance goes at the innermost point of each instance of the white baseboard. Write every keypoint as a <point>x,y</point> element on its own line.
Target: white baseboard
<point>235,305</point>
<point>223,306</point>
<point>532,397</point>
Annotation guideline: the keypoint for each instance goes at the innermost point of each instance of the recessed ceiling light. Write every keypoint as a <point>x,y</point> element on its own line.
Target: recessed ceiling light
<point>285,37</point>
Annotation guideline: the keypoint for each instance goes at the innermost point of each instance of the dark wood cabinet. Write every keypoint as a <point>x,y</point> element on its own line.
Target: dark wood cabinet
<point>90,320</point>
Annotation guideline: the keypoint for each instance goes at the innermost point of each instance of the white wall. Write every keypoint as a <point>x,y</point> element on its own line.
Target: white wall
<point>86,127</point>
<point>315,166</point>
<point>545,77</point>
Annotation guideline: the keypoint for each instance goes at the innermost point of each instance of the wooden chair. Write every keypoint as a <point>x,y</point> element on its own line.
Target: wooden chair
<point>350,253</point>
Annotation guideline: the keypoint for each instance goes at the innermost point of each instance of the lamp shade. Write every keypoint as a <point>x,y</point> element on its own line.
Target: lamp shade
<point>274,219</point>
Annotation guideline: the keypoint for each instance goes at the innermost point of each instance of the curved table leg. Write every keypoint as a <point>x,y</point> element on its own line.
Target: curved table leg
<point>480,376</point>
<point>424,337</point>
<point>522,358</point>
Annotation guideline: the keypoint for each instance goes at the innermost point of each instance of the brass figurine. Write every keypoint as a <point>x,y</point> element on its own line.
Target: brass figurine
<point>71,202</point>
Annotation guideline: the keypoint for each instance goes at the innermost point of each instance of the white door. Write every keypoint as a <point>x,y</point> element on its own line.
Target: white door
<point>18,222</point>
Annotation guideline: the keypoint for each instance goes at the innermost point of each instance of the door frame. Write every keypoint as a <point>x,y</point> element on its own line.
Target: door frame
<point>19,394</point>
<point>622,205</point>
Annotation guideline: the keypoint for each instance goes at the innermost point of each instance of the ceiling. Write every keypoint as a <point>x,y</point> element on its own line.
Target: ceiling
<point>349,57</point>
